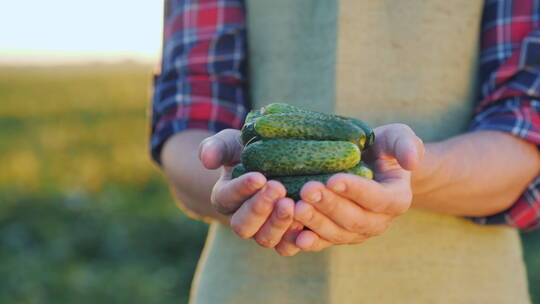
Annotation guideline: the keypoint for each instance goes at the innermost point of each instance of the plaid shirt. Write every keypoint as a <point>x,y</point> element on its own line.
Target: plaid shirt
<point>203,78</point>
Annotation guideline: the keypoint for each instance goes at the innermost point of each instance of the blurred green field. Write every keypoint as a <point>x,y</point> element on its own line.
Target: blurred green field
<point>84,215</point>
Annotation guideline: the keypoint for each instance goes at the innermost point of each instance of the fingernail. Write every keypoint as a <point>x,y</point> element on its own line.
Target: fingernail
<point>339,187</point>
<point>315,197</point>
<point>282,214</point>
<point>304,241</point>
<point>256,183</point>
<point>270,192</point>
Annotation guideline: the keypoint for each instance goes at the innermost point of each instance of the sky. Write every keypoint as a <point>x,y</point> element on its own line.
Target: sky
<point>76,31</point>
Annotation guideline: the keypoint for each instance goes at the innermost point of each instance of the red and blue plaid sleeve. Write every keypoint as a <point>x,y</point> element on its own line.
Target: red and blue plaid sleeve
<point>202,78</point>
<point>510,90</point>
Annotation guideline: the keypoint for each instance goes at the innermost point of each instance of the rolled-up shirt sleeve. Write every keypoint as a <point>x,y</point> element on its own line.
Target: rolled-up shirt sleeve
<point>201,84</point>
<point>510,91</point>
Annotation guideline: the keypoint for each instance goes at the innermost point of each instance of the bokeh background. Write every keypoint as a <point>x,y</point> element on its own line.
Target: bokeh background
<point>85,217</point>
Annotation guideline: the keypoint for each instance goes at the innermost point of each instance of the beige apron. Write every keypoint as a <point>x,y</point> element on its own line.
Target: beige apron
<point>411,61</point>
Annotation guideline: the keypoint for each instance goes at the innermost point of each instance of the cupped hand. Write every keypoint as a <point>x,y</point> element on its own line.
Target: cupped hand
<point>257,208</point>
<point>350,209</point>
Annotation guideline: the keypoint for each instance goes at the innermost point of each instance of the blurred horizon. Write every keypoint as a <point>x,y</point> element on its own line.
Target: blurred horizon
<point>43,59</point>
<point>63,32</point>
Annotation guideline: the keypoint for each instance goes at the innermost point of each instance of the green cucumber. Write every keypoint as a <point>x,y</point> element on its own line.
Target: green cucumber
<point>308,126</point>
<point>276,108</point>
<point>252,115</point>
<point>361,170</point>
<point>248,134</point>
<point>294,184</point>
<point>238,170</point>
<point>370,135</point>
<point>285,157</point>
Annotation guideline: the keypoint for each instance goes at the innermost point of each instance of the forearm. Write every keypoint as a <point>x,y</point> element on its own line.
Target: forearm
<point>190,182</point>
<point>475,174</point>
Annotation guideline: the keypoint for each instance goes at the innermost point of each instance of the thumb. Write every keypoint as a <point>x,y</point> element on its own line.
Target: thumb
<point>400,142</point>
<point>223,148</point>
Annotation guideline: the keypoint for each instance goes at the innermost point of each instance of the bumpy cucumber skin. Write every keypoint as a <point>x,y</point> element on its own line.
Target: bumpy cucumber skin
<point>294,184</point>
<point>307,126</point>
<point>248,134</point>
<point>281,108</point>
<point>252,115</point>
<point>238,170</point>
<point>361,170</point>
<point>370,135</point>
<point>288,157</point>
<point>276,108</point>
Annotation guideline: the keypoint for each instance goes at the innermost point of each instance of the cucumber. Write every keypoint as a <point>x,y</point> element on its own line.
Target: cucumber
<point>294,184</point>
<point>276,108</point>
<point>252,115</point>
<point>308,126</point>
<point>238,170</point>
<point>361,170</point>
<point>287,157</point>
<point>370,135</point>
<point>248,134</point>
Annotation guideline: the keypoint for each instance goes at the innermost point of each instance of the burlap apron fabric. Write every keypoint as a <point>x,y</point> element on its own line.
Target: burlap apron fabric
<point>408,61</point>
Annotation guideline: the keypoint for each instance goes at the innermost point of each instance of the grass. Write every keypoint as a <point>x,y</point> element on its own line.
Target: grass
<point>84,215</point>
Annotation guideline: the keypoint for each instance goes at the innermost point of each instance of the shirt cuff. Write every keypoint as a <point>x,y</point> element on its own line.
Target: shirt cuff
<point>203,114</point>
<point>520,117</point>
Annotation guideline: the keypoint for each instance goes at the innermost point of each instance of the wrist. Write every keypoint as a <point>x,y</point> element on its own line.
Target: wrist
<point>429,175</point>
<point>190,182</point>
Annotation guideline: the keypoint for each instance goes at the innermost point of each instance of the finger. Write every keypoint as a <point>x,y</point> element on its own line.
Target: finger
<point>223,148</point>
<point>320,224</point>
<point>408,150</point>
<point>228,194</point>
<point>389,197</point>
<point>287,246</point>
<point>399,141</point>
<point>309,241</point>
<point>275,227</point>
<point>252,214</point>
<point>342,211</point>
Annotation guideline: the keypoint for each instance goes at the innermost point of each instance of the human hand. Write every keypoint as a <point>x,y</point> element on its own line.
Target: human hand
<point>350,209</point>
<point>257,208</point>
